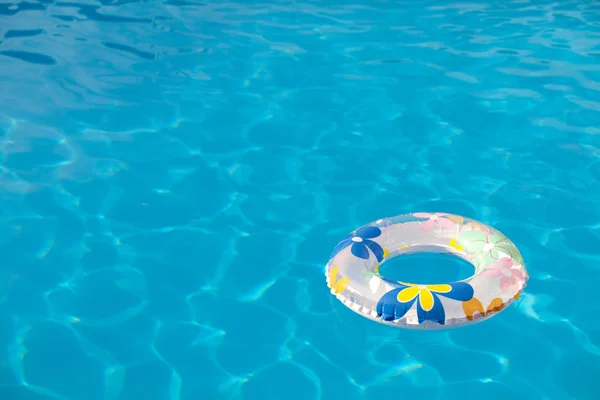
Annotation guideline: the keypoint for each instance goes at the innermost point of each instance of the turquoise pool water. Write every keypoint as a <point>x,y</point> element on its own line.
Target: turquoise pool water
<point>175,175</point>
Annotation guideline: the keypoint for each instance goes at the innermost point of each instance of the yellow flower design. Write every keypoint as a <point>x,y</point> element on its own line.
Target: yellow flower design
<point>395,304</point>
<point>424,292</point>
<point>454,244</point>
<point>340,285</point>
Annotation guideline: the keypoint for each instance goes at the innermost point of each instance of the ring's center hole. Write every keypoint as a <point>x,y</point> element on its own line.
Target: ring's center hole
<point>427,268</point>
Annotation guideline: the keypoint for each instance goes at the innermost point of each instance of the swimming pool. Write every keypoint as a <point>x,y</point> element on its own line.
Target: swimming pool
<point>176,174</point>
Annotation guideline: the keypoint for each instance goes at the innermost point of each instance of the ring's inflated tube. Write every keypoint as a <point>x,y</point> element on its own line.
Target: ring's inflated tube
<point>353,271</point>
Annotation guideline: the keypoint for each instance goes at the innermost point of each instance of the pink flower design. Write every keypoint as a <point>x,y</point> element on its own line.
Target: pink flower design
<point>433,219</point>
<point>504,270</point>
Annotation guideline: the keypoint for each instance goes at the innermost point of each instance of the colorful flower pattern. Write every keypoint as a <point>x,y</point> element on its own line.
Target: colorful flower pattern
<point>434,219</point>
<point>361,243</point>
<point>487,248</point>
<point>506,271</point>
<point>395,304</point>
<point>455,245</point>
<point>337,285</point>
<point>474,309</point>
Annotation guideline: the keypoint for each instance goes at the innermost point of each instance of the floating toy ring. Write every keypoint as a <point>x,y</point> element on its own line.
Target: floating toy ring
<point>353,271</point>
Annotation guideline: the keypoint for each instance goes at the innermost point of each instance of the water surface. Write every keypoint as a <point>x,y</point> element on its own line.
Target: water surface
<point>176,173</point>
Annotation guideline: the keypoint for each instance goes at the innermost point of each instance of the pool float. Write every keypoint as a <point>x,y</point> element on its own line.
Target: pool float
<point>352,272</point>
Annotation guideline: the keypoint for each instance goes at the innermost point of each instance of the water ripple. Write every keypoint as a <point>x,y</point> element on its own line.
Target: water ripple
<point>176,172</point>
<point>27,56</point>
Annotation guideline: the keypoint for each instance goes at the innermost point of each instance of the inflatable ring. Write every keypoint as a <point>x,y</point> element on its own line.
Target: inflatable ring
<point>352,272</point>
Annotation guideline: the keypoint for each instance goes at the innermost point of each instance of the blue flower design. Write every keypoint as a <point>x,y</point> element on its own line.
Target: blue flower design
<point>361,243</point>
<point>395,304</point>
